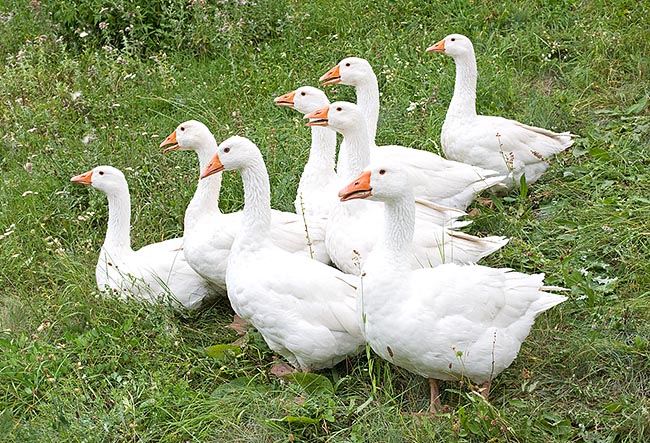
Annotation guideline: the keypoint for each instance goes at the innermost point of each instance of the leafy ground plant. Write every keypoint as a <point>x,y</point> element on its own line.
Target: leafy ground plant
<point>83,86</point>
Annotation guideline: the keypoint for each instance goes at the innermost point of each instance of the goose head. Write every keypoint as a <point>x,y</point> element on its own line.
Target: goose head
<point>105,178</point>
<point>340,116</point>
<point>455,45</point>
<point>191,135</point>
<point>351,71</point>
<point>378,182</point>
<point>233,153</point>
<point>305,99</point>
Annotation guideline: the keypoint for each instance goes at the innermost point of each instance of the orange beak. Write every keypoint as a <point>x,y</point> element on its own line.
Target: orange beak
<point>360,188</point>
<point>213,167</point>
<point>170,140</point>
<point>331,77</point>
<point>286,99</point>
<point>319,117</point>
<point>438,47</point>
<point>84,179</point>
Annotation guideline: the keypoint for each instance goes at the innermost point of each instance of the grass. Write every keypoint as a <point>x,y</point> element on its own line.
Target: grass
<point>76,366</point>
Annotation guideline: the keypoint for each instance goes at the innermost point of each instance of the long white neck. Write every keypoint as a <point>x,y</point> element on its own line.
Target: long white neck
<point>205,201</point>
<point>368,102</point>
<point>256,223</point>
<point>322,152</point>
<point>354,154</point>
<point>118,234</point>
<point>463,103</point>
<point>399,226</point>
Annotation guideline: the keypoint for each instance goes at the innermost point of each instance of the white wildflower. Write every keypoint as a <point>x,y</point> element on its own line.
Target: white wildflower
<point>75,95</point>
<point>83,34</point>
<point>412,106</point>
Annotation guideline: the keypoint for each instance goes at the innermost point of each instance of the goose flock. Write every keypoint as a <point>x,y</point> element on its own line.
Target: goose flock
<point>373,254</point>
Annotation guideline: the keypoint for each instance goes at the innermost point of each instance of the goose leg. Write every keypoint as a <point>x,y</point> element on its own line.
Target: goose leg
<point>484,390</point>
<point>436,405</point>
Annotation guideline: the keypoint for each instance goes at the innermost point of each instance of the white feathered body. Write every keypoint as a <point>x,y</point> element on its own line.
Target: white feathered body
<point>503,145</point>
<point>305,310</point>
<point>151,273</point>
<point>452,321</point>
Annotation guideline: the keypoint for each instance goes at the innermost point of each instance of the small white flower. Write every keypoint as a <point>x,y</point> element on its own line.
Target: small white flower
<point>75,95</point>
<point>83,34</point>
<point>412,106</point>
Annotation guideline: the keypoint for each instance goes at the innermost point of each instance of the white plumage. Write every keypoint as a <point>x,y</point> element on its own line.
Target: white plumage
<point>447,182</point>
<point>150,273</point>
<point>209,233</point>
<point>353,228</point>
<point>507,146</point>
<point>445,323</point>
<point>317,189</point>
<point>305,310</point>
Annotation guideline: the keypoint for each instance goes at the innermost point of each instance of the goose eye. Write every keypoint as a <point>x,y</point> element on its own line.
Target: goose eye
<point>101,172</point>
<point>382,171</point>
<point>339,109</point>
<point>303,93</point>
<point>226,150</point>
<point>182,128</point>
<point>347,64</point>
<point>453,39</point>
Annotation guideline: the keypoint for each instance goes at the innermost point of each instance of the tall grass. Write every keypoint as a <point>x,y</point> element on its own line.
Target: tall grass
<point>76,366</point>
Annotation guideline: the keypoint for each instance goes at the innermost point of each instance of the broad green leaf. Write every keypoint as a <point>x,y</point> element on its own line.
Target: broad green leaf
<point>311,383</point>
<point>300,419</point>
<point>220,351</point>
<point>638,107</point>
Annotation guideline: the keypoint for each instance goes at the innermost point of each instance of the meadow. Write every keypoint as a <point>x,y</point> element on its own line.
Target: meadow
<point>85,83</point>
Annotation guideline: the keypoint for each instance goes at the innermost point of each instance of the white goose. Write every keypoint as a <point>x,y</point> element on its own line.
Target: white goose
<point>443,323</point>
<point>305,310</point>
<point>439,180</point>
<point>353,228</point>
<point>507,146</point>
<point>208,233</point>
<point>317,189</point>
<point>150,273</point>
